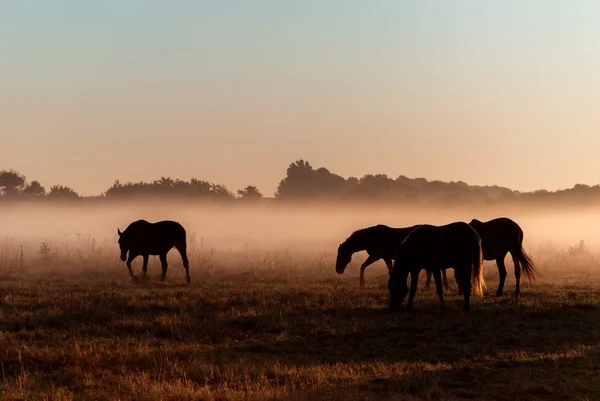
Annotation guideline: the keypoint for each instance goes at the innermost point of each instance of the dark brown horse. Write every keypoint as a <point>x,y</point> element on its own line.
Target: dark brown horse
<point>380,242</point>
<point>437,248</point>
<point>499,237</point>
<point>142,238</point>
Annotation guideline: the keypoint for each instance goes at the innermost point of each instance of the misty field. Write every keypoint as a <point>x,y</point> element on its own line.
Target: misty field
<point>275,324</point>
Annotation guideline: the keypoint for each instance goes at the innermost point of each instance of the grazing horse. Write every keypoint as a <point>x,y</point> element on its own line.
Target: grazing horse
<point>436,248</point>
<point>499,237</point>
<point>142,238</point>
<point>380,242</point>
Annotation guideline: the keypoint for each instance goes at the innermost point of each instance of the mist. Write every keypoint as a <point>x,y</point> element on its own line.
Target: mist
<point>234,236</point>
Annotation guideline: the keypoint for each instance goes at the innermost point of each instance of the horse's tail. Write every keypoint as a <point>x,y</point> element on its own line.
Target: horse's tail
<point>526,263</point>
<point>477,281</point>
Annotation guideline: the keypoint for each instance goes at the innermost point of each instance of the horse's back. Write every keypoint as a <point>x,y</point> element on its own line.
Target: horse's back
<point>441,246</point>
<point>165,230</point>
<point>169,225</point>
<point>499,224</point>
<point>450,232</point>
<point>498,236</point>
<point>380,240</point>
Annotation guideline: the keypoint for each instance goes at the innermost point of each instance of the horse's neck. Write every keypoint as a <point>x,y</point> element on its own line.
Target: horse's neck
<point>357,244</point>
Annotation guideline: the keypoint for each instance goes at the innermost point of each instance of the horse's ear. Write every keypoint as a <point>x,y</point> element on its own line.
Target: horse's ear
<point>119,232</point>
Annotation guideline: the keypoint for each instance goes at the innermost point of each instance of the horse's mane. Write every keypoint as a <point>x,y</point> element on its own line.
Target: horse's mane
<point>358,233</point>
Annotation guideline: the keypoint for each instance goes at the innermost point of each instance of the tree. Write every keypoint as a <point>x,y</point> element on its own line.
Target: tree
<point>34,188</point>
<point>250,192</point>
<point>11,183</point>
<point>298,181</point>
<point>62,192</point>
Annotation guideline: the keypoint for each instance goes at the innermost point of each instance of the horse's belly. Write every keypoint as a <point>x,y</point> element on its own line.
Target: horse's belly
<point>154,248</point>
<point>433,260</point>
<point>493,252</point>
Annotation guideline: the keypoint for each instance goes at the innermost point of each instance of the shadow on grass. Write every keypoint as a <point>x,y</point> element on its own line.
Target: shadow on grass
<point>540,378</point>
<point>425,334</point>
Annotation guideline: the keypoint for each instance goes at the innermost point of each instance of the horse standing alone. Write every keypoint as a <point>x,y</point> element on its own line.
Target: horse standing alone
<point>380,242</point>
<point>436,248</point>
<point>142,238</point>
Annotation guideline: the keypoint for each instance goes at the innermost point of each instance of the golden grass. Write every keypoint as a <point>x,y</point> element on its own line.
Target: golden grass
<point>285,326</point>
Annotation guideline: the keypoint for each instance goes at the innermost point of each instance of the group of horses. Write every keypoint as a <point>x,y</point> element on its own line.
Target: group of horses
<point>457,245</point>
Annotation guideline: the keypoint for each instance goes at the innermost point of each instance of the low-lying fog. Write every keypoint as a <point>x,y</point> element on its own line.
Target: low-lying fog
<point>231,226</point>
<point>271,228</point>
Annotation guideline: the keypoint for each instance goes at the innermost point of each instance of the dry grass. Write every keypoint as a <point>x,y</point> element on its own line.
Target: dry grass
<point>259,325</point>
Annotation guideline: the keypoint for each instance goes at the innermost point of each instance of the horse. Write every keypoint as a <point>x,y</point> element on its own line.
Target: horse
<point>437,248</point>
<point>380,242</point>
<point>499,237</point>
<point>142,238</point>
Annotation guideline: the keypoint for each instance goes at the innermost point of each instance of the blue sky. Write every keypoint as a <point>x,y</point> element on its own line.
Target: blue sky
<point>499,92</point>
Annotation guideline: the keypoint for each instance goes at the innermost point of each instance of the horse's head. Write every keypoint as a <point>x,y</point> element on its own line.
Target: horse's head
<point>398,290</point>
<point>344,256</point>
<point>123,244</point>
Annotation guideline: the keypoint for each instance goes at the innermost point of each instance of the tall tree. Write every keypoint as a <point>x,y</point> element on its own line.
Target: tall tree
<point>298,181</point>
<point>11,183</point>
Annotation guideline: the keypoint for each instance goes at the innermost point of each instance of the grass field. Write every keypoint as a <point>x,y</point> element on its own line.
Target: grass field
<point>278,325</point>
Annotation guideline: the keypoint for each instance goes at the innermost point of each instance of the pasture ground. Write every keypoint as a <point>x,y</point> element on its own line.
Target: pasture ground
<point>248,335</point>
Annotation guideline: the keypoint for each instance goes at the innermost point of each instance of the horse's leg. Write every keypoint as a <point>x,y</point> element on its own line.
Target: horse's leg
<point>145,266</point>
<point>370,260</point>
<point>465,275</point>
<point>129,260</point>
<point>458,280</point>
<point>186,263</point>
<point>445,281</point>
<point>389,265</point>
<point>163,262</point>
<point>414,279</point>
<point>517,275</point>
<point>437,275</point>
<point>428,282</point>
<point>502,273</point>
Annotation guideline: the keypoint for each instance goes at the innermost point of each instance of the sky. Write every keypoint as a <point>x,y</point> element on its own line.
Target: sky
<point>504,92</point>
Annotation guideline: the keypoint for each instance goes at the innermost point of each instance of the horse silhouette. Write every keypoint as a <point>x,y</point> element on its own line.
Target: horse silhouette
<point>499,237</point>
<point>142,238</point>
<point>437,248</point>
<point>380,242</point>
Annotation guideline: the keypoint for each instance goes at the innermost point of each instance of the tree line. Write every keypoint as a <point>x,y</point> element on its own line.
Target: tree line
<point>14,184</point>
<point>303,182</point>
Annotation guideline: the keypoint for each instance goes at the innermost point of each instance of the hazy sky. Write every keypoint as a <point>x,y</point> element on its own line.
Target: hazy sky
<point>496,92</point>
